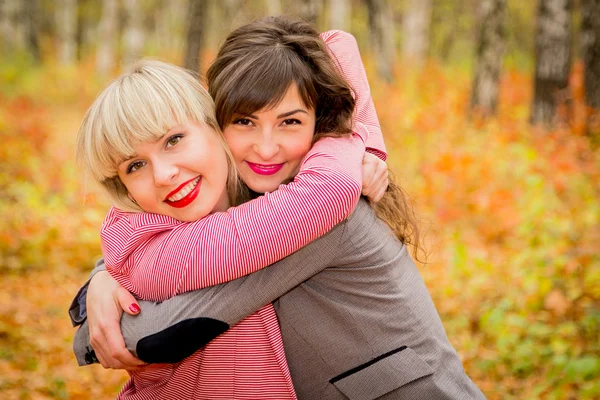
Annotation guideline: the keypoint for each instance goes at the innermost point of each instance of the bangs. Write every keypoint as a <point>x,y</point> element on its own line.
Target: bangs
<point>261,83</point>
<point>139,107</point>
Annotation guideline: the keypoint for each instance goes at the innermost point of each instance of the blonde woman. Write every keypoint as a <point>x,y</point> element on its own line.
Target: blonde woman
<point>337,335</point>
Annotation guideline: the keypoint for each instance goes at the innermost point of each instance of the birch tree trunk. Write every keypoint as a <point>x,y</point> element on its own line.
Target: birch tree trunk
<point>66,25</point>
<point>105,58</point>
<point>133,33</point>
<point>553,58</point>
<point>339,14</point>
<point>490,50</point>
<point>168,32</point>
<point>12,36</point>
<point>382,37</point>
<point>416,27</point>
<point>197,15</point>
<point>273,7</point>
<point>311,9</point>
<point>590,26</point>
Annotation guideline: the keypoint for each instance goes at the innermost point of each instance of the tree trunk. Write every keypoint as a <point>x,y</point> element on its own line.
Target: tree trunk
<point>230,9</point>
<point>31,18</point>
<point>553,57</point>
<point>168,33</point>
<point>382,37</point>
<point>197,13</point>
<point>416,26</point>
<point>133,35</point>
<point>590,26</point>
<point>311,9</point>
<point>105,58</point>
<point>273,7</point>
<point>339,14</point>
<point>66,24</point>
<point>490,50</point>
<point>9,11</point>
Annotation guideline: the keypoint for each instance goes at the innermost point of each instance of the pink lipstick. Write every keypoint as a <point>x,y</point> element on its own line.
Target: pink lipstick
<point>264,169</point>
<point>190,196</point>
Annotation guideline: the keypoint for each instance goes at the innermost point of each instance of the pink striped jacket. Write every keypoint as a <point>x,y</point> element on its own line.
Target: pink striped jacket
<point>156,257</point>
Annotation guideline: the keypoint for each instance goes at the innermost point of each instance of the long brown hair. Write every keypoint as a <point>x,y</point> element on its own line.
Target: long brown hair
<point>259,61</point>
<point>254,69</point>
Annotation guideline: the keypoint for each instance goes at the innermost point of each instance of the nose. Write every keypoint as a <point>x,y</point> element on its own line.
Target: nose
<point>165,172</point>
<point>266,147</point>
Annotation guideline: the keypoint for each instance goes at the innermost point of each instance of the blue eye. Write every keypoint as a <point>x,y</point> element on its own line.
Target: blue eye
<point>134,166</point>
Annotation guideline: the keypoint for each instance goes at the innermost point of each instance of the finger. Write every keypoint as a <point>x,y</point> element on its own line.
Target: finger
<point>380,194</point>
<point>120,356</point>
<point>111,351</point>
<point>126,301</point>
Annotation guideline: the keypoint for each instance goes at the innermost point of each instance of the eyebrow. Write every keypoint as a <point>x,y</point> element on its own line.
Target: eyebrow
<point>285,114</point>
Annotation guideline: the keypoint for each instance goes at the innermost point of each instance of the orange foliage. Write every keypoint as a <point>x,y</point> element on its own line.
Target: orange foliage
<point>512,216</point>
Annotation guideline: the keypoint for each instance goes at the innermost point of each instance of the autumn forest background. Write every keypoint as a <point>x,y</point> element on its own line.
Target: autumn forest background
<point>490,110</point>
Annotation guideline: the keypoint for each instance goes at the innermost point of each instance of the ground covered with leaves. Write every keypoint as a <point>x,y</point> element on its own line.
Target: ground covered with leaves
<point>511,213</point>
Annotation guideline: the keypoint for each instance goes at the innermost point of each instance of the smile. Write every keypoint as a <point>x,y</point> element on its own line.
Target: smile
<point>184,194</point>
<point>264,169</point>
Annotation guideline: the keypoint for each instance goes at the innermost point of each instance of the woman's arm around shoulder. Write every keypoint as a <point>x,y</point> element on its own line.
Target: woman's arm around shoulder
<point>156,257</point>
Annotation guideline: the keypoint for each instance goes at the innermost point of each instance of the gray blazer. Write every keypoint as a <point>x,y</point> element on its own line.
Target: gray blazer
<point>356,319</point>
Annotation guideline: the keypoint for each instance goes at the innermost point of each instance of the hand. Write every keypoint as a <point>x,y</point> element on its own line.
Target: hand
<point>105,302</point>
<point>375,177</point>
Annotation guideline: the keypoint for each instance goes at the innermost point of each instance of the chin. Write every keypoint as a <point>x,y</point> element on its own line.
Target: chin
<point>263,187</point>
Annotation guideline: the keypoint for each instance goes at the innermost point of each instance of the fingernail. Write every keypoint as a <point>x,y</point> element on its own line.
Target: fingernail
<point>134,308</point>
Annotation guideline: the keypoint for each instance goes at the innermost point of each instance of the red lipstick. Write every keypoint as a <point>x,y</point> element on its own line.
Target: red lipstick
<point>264,169</point>
<point>191,196</point>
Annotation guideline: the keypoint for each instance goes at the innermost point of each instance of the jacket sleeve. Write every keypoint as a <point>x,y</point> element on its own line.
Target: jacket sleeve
<point>344,50</point>
<point>171,330</point>
<point>77,310</point>
<point>225,246</point>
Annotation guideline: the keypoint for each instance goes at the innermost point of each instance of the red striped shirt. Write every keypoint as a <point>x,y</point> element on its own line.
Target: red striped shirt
<point>156,257</point>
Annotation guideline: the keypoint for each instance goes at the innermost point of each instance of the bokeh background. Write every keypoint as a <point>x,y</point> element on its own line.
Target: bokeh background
<point>490,112</point>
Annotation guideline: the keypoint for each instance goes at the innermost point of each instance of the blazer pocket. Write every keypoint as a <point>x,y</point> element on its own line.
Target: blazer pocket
<point>382,375</point>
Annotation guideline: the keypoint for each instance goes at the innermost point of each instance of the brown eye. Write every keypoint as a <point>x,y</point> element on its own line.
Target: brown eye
<point>242,121</point>
<point>134,166</point>
<point>292,121</point>
<point>173,140</point>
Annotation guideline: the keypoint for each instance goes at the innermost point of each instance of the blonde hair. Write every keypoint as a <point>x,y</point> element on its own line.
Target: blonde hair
<point>140,106</point>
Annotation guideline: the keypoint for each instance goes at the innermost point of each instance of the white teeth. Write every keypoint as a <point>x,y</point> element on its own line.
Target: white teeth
<point>184,190</point>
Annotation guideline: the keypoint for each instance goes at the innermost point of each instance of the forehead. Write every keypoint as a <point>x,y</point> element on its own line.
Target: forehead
<point>290,101</point>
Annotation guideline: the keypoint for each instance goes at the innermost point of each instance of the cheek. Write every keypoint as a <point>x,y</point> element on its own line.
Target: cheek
<point>297,147</point>
<point>238,146</point>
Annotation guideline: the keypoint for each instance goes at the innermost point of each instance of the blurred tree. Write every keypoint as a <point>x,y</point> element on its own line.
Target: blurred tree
<point>197,16</point>
<point>311,9</point>
<point>30,18</point>
<point>168,14</point>
<point>66,25</point>
<point>230,9</point>
<point>107,30</point>
<point>553,58</point>
<point>490,51</point>
<point>590,26</point>
<point>273,7</point>
<point>339,14</point>
<point>12,37</point>
<point>382,37</point>
<point>133,31</point>
<point>416,23</point>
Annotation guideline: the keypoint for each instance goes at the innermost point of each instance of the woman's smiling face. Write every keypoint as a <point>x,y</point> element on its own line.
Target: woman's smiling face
<point>269,145</point>
<point>182,175</point>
